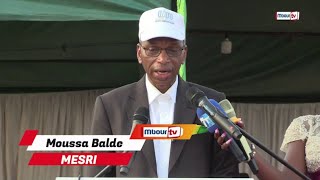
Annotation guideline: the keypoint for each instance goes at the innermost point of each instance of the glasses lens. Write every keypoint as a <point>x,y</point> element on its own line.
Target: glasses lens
<point>174,52</point>
<point>153,51</point>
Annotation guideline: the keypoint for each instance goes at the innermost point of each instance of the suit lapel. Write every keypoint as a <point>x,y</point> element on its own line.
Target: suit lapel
<point>138,98</point>
<point>184,113</point>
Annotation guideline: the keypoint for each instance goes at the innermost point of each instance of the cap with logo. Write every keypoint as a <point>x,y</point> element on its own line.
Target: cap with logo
<point>161,22</point>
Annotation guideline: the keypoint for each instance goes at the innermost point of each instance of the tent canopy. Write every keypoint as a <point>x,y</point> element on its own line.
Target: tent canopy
<point>75,10</point>
<point>71,45</point>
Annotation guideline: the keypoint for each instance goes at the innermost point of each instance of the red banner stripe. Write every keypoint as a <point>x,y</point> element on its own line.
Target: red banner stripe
<point>80,159</point>
<point>137,132</point>
<point>28,137</point>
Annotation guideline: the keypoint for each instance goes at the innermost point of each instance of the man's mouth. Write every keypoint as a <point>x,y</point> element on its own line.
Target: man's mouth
<point>163,74</point>
<point>162,71</point>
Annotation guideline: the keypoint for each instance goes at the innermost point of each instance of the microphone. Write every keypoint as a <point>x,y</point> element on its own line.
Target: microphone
<point>228,109</point>
<point>239,148</point>
<point>243,143</point>
<point>141,116</point>
<point>199,99</point>
<point>211,126</point>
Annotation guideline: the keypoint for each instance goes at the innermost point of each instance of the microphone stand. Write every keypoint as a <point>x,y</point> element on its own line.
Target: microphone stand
<point>104,170</point>
<point>124,170</point>
<point>256,142</point>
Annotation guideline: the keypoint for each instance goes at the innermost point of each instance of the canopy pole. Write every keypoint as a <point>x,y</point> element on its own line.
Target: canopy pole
<point>182,9</point>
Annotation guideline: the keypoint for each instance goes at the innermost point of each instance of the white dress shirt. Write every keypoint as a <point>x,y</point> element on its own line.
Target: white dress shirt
<point>161,107</point>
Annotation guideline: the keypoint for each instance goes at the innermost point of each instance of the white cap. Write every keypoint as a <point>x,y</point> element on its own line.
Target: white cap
<point>161,22</point>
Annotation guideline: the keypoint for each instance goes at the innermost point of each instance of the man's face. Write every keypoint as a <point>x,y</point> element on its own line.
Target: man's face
<point>162,69</point>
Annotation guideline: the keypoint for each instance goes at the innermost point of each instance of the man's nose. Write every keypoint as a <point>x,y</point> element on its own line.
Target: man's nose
<point>163,57</point>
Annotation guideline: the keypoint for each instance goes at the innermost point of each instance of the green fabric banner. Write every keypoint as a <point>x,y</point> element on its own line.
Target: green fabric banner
<point>76,10</point>
<point>182,9</point>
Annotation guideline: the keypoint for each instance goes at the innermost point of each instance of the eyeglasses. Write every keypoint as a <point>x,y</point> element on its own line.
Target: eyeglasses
<point>155,51</point>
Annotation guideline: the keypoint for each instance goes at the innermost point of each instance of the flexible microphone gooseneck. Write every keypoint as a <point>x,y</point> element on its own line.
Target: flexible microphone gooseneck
<point>141,116</point>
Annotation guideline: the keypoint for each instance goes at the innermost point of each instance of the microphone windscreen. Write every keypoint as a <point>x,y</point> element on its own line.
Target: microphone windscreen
<point>194,95</point>
<point>228,108</point>
<point>206,120</point>
<point>218,106</point>
<point>141,114</point>
<point>226,105</point>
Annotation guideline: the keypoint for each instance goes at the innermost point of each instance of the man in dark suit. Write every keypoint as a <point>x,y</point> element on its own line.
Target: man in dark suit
<point>161,51</point>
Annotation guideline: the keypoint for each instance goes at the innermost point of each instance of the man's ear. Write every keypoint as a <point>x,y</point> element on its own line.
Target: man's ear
<point>185,52</point>
<point>139,54</point>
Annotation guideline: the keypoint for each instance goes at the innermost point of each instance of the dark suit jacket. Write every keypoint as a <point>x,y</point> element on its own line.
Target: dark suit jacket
<point>200,156</point>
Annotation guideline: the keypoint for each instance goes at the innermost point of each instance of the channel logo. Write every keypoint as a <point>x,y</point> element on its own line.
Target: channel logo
<point>162,132</point>
<point>288,16</point>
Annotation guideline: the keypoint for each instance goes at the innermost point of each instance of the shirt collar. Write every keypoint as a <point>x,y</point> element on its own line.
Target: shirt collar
<point>153,92</point>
